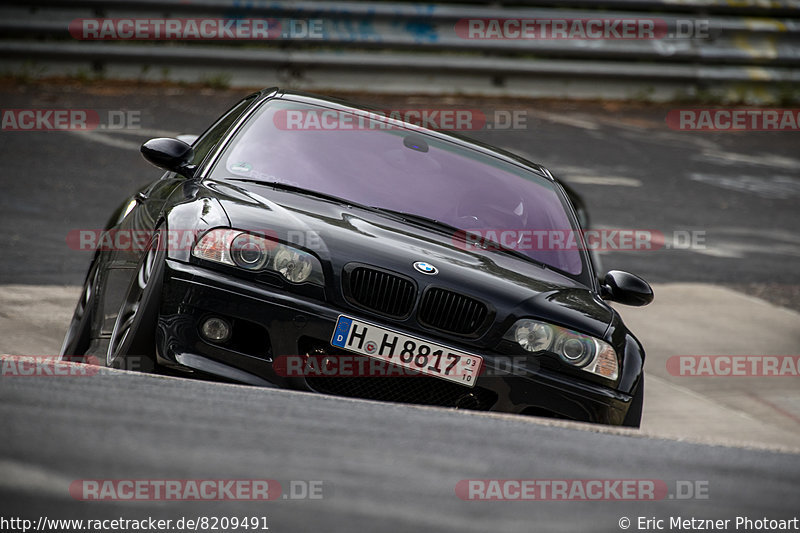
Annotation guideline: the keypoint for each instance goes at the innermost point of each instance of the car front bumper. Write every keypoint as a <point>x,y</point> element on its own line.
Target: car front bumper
<point>270,323</point>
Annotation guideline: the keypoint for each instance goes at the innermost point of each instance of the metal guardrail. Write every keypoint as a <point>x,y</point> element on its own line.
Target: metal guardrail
<point>405,9</point>
<point>393,39</point>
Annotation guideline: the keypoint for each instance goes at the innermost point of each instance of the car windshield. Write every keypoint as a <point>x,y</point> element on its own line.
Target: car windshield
<point>374,161</point>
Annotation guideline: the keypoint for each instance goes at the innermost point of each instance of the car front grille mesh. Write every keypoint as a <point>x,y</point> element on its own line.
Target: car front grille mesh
<point>417,390</point>
<point>381,292</point>
<point>448,311</point>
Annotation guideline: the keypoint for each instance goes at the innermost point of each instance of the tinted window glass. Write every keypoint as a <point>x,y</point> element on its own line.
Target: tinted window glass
<point>213,135</point>
<point>362,159</point>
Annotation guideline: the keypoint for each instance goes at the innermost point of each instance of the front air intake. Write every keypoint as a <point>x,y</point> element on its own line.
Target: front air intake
<point>452,312</point>
<point>380,291</point>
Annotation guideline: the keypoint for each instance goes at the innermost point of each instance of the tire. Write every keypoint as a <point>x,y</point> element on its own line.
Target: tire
<point>79,333</point>
<point>132,345</point>
<point>634,416</point>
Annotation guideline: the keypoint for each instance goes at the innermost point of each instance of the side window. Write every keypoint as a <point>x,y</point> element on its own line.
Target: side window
<point>215,133</point>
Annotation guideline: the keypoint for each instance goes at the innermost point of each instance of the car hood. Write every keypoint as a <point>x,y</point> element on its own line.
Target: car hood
<point>340,234</point>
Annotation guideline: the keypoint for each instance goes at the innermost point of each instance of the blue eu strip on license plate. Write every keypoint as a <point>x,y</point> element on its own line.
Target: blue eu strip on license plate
<point>413,353</point>
<point>342,331</point>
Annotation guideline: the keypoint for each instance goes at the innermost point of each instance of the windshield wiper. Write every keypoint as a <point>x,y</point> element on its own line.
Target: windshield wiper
<point>300,190</point>
<point>487,244</point>
<point>420,219</point>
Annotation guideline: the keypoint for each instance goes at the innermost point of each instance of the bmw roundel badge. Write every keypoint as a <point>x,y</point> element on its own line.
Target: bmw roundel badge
<point>426,268</point>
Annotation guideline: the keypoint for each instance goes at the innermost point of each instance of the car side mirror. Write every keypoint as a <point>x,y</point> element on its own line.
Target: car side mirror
<point>170,154</point>
<point>626,288</point>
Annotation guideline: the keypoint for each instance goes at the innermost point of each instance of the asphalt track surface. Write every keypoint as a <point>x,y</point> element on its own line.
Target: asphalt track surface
<point>389,467</point>
<point>383,467</point>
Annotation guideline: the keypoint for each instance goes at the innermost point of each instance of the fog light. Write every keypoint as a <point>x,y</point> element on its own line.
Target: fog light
<point>215,330</point>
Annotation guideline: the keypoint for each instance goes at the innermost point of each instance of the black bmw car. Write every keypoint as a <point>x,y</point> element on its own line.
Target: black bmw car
<point>302,242</point>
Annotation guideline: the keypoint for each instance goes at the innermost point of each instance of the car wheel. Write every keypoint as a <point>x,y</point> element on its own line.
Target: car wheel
<point>634,416</point>
<point>79,332</point>
<point>132,342</point>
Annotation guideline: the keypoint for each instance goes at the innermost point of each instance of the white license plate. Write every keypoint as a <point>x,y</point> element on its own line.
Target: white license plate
<point>413,353</point>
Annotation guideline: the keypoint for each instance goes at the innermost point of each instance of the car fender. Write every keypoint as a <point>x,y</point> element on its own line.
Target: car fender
<point>189,218</point>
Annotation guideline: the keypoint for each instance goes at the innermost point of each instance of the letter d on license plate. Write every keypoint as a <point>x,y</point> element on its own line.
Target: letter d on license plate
<point>413,353</point>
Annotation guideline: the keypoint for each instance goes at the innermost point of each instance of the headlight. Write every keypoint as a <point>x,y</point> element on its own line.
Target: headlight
<point>256,253</point>
<point>293,264</point>
<point>578,350</point>
<point>534,336</point>
<point>250,252</point>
